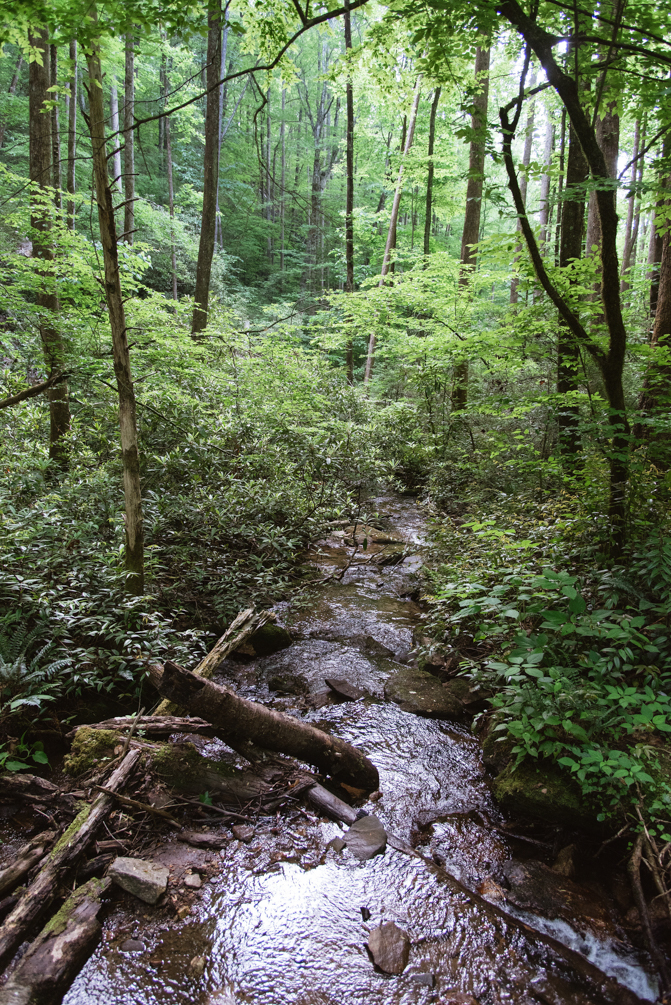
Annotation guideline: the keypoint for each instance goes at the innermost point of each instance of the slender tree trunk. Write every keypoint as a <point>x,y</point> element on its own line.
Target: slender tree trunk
<point>349,198</point>
<point>70,182</point>
<point>608,138</point>
<point>41,170</point>
<point>210,171</point>
<point>655,249</point>
<point>630,233</point>
<point>544,210</point>
<point>568,350</point>
<point>391,235</point>
<point>11,90</point>
<point>471,232</point>
<point>129,141</point>
<point>637,199</point>
<point>55,128</point>
<point>114,123</point>
<point>283,170</point>
<point>219,233</point>
<point>269,180</point>
<point>134,557</point>
<point>524,181</point>
<point>560,185</point>
<point>171,206</point>
<point>429,177</point>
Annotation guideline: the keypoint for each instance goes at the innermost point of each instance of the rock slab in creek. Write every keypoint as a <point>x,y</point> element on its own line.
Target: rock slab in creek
<point>419,692</point>
<point>366,837</point>
<point>144,879</point>
<point>389,946</point>
<point>346,690</point>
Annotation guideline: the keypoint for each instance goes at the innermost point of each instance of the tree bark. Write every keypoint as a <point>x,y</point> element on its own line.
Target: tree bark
<point>24,860</point>
<point>544,210</point>
<point>631,199</point>
<point>655,255</point>
<point>570,250</point>
<point>129,140</point>
<point>55,128</point>
<point>70,182</point>
<point>11,90</point>
<point>283,169</point>
<point>41,167</point>
<point>239,721</point>
<point>61,861</point>
<point>55,957</point>
<point>116,182</point>
<point>210,171</point>
<point>429,177</point>
<point>171,206</point>
<point>391,234</point>
<point>524,180</point>
<point>471,232</point>
<point>349,197</point>
<point>134,551</point>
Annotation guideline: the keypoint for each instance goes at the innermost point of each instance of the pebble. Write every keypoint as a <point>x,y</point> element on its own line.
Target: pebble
<point>366,837</point>
<point>193,881</point>
<point>197,966</point>
<point>144,879</point>
<point>183,912</point>
<point>389,946</point>
<point>132,946</point>
<point>243,832</point>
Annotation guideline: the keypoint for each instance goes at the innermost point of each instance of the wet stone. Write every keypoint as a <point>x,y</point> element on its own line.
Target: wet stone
<point>140,877</point>
<point>243,832</point>
<point>422,694</point>
<point>366,838</point>
<point>389,946</point>
<point>197,966</point>
<point>336,843</point>
<point>345,689</point>
<point>424,980</point>
<point>193,881</point>
<point>132,946</point>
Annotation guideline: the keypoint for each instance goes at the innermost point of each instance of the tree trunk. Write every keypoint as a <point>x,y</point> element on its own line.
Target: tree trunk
<point>171,206</point>
<point>55,128</point>
<point>471,232</point>
<point>239,721</point>
<point>41,167</point>
<point>568,350</point>
<point>429,177</point>
<point>391,235</point>
<point>134,557</point>
<point>129,141</point>
<point>283,170</point>
<point>210,171</point>
<point>114,122</point>
<point>70,182</point>
<point>655,255</point>
<point>544,210</point>
<point>524,180</point>
<point>349,198</point>
<point>219,232</point>
<point>56,956</point>
<point>629,227</point>
<point>636,231</point>
<point>61,862</point>
<point>11,90</point>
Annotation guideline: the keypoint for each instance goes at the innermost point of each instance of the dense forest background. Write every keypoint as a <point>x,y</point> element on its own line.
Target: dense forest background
<point>292,255</point>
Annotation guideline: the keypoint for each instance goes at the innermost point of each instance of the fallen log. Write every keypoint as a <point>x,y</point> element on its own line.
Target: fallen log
<point>55,957</point>
<point>61,861</point>
<point>238,720</point>
<point>152,725</point>
<point>243,625</point>
<point>31,788</point>
<point>25,859</point>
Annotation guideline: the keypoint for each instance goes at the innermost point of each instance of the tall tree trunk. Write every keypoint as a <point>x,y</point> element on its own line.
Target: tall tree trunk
<point>568,350</point>
<point>636,230</point>
<point>219,232</point>
<point>134,557</point>
<point>655,249</point>
<point>524,180</point>
<point>210,171</point>
<point>11,90</point>
<point>429,177</point>
<point>41,169</point>
<point>349,197</point>
<point>391,235</point>
<point>55,128</point>
<point>471,232</point>
<point>283,170</point>
<point>129,141</point>
<point>114,122</point>
<point>70,182</point>
<point>629,235</point>
<point>544,209</point>
<point>171,206</point>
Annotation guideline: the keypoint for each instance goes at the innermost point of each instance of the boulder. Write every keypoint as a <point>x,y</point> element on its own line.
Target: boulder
<point>91,748</point>
<point>541,790</point>
<point>268,639</point>
<point>535,887</point>
<point>420,693</point>
<point>144,879</point>
<point>346,690</point>
<point>366,837</point>
<point>390,948</point>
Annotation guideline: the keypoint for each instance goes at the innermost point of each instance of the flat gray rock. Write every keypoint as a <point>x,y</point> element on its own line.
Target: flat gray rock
<point>132,946</point>
<point>389,946</point>
<point>346,690</point>
<point>419,692</point>
<point>144,879</point>
<point>366,837</point>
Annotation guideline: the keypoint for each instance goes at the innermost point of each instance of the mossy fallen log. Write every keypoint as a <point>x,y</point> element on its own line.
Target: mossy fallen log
<point>238,720</point>
<point>24,860</point>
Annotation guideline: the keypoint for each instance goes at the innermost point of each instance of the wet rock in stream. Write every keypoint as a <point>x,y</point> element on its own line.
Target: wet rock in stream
<point>143,879</point>
<point>390,948</point>
<point>420,693</point>
<point>366,838</point>
<point>535,887</point>
<point>346,690</point>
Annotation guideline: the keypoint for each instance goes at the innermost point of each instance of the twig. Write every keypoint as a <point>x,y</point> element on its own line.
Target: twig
<point>136,804</point>
<point>216,809</point>
<point>131,731</point>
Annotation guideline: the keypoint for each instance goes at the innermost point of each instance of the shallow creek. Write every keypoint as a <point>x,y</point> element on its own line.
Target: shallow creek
<point>283,920</point>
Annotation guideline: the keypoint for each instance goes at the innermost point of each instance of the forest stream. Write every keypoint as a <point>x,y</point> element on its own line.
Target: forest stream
<point>284,916</point>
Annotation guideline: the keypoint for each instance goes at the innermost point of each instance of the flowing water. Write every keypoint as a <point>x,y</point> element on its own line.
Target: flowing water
<point>284,919</point>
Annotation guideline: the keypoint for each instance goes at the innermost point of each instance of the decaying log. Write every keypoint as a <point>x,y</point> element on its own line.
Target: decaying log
<point>243,625</point>
<point>61,861</point>
<point>238,720</point>
<point>207,839</point>
<point>57,954</point>
<point>24,860</point>
<point>30,788</point>
<point>152,725</point>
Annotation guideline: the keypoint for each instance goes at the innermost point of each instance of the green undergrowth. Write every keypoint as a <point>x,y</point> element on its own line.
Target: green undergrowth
<point>577,657</point>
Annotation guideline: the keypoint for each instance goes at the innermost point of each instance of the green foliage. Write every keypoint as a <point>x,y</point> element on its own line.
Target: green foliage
<point>19,753</point>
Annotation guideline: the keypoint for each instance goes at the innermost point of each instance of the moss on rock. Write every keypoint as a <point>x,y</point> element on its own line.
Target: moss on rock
<point>183,768</point>
<point>89,748</point>
<point>543,791</point>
